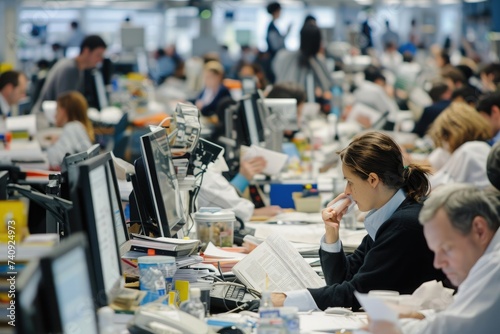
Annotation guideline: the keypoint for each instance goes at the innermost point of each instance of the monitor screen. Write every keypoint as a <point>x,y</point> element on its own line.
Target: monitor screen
<point>162,182</point>
<point>29,312</point>
<point>286,110</point>
<point>76,307</point>
<point>248,126</point>
<point>93,213</point>
<point>132,38</point>
<point>67,287</point>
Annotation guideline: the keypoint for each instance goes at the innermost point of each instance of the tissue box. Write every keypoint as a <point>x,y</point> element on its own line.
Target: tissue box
<point>307,204</point>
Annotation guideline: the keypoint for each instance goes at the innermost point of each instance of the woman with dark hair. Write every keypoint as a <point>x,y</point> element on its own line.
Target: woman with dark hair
<point>394,255</point>
<point>305,66</point>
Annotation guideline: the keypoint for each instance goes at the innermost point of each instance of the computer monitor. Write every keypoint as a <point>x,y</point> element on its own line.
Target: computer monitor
<point>68,289</point>
<point>163,182</point>
<point>248,123</point>
<point>4,180</point>
<point>69,168</point>
<point>119,218</point>
<point>248,85</point>
<point>285,109</point>
<point>93,213</point>
<point>132,38</point>
<point>29,308</point>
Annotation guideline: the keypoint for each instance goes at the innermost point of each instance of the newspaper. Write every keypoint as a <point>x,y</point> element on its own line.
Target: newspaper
<point>275,265</point>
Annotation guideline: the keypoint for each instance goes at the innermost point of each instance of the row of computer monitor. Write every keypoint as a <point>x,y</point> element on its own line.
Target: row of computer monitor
<point>255,114</point>
<point>92,187</point>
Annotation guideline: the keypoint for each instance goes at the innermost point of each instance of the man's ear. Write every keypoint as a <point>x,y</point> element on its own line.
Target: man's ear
<point>495,111</point>
<point>373,180</point>
<point>481,231</point>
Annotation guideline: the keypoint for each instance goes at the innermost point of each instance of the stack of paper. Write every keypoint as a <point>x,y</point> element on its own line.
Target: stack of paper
<point>225,259</point>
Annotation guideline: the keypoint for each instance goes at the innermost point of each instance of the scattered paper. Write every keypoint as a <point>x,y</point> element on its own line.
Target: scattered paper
<point>319,321</point>
<point>214,252</point>
<point>22,123</point>
<point>274,160</point>
<point>376,308</point>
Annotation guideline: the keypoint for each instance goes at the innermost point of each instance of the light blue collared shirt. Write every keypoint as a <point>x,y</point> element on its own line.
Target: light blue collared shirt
<point>495,139</point>
<point>240,183</point>
<point>375,218</point>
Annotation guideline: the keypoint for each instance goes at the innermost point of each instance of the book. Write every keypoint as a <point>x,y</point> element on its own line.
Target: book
<point>163,245</point>
<point>275,265</point>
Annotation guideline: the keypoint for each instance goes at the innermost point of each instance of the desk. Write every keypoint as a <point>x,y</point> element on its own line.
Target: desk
<point>27,154</point>
<point>319,322</point>
<point>307,233</point>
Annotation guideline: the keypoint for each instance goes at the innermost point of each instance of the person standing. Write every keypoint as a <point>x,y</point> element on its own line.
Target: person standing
<point>67,74</point>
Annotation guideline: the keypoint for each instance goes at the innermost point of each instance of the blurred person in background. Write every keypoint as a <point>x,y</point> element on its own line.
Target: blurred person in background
<point>489,107</point>
<point>77,134</point>
<point>463,134</point>
<point>67,74</point>
<point>440,94</point>
<point>213,91</point>
<point>490,77</point>
<point>12,90</point>
<point>306,67</point>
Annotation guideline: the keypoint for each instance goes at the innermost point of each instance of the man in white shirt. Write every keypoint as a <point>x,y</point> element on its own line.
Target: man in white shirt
<point>371,92</point>
<point>12,90</point>
<point>461,228</point>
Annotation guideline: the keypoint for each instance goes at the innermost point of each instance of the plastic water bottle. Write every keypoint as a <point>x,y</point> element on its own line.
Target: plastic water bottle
<point>193,305</point>
<point>336,101</point>
<point>270,321</point>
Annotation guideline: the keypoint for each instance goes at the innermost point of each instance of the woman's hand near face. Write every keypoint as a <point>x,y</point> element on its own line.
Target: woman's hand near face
<point>331,217</point>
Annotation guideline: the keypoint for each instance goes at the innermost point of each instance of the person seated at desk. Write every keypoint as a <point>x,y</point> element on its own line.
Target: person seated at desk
<point>372,92</point>
<point>460,135</point>
<point>12,90</point>
<point>290,90</point>
<point>67,74</point>
<point>440,94</point>
<point>214,91</point>
<point>217,191</point>
<point>77,134</point>
<point>394,255</point>
<point>461,228</point>
<point>489,107</point>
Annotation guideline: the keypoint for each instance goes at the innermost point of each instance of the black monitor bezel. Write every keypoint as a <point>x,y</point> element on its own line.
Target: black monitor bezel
<point>241,123</point>
<point>116,192</point>
<point>82,218</point>
<point>25,324</point>
<point>50,290</point>
<point>167,229</point>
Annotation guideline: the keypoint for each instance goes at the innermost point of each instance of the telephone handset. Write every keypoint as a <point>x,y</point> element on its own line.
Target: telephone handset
<point>157,318</point>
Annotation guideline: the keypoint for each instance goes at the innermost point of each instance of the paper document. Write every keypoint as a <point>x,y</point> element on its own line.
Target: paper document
<point>213,251</point>
<point>22,123</point>
<point>320,322</point>
<point>376,308</point>
<point>274,160</point>
<point>276,265</point>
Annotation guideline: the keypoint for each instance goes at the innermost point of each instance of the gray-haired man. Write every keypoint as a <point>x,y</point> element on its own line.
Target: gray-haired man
<point>461,228</point>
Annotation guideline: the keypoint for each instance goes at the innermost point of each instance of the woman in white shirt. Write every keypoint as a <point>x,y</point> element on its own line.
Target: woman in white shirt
<point>463,132</point>
<point>77,134</point>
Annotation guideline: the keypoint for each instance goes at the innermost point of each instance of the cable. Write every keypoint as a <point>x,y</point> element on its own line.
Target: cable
<point>165,119</point>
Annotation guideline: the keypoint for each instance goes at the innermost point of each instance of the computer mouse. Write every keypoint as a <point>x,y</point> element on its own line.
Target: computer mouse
<point>338,311</point>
